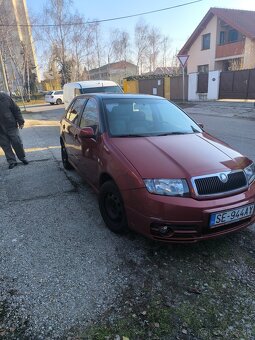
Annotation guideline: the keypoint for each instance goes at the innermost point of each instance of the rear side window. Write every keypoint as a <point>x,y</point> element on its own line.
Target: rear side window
<point>58,92</point>
<point>90,116</point>
<point>108,89</point>
<point>75,110</point>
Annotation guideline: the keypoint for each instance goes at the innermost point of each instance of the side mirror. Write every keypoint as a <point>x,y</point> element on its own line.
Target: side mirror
<point>87,132</point>
<point>201,126</point>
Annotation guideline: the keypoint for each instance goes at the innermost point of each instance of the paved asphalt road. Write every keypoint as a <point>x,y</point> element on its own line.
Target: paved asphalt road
<point>60,266</point>
<point>237,132</point>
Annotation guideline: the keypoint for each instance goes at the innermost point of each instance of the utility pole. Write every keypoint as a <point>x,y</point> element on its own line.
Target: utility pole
<point>28,82</point>
<point>6,87</point>
<point>26,73</point>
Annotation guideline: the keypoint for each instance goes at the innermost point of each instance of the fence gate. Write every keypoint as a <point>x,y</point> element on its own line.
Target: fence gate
<point>202,82</point>
<point>152,86</point>
<point>176,87</point>
<point>237,84</point>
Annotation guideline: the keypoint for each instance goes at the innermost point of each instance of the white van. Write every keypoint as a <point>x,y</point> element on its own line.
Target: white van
<point>72,90</point>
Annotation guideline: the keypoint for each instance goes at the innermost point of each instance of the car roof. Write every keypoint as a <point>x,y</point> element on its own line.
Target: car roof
<point>92,83</point>
<point>104,95</point>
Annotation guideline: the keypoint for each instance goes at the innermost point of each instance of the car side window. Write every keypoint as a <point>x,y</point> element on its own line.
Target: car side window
<point>75,110</point>
<point>69,111</point>
<point>90,116</point>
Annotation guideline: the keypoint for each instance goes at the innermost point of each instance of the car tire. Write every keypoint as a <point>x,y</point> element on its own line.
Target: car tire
<point>64,156</point>
<point>112,208</point>
<point>58,101</point>
<point>51,103</point>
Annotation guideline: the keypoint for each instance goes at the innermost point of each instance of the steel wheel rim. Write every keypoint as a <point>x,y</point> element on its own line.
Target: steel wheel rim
<point>113,207</point>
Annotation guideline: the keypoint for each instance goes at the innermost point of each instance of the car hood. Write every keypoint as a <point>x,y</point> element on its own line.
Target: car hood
<point>179,156</point>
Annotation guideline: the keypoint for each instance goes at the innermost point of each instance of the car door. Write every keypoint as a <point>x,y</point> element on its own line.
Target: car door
<point>89,147</point>
<point>71,129</point>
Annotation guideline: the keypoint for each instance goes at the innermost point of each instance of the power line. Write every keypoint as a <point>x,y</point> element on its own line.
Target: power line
<point>104,20</point>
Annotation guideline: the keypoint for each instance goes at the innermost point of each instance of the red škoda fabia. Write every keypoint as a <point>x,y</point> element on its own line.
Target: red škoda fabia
<point>155,170</point>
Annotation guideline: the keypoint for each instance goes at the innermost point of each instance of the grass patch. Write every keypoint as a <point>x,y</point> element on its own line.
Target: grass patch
<point>155,322</point>
<point>216,313</point>
<point>32,102</point>
<point>204,291</point>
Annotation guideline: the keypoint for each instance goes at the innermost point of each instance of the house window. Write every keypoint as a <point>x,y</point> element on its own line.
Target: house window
<point>232,35</point>
<point>203,68</point>
<point>206,41</point>
<point>222,37</point>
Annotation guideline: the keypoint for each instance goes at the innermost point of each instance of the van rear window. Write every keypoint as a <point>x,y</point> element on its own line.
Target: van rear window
<point>107,89</point>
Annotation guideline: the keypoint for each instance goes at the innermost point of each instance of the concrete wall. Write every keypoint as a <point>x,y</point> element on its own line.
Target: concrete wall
<point>213,87</point>
<point>249,54</point>
<point>197,56</point>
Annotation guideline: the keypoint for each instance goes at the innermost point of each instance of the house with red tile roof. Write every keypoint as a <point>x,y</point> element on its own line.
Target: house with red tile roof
<point>223,41</point>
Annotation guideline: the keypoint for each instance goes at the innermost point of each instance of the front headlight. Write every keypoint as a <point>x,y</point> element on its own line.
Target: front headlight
<point>167,187</point>
<point>250,173</point>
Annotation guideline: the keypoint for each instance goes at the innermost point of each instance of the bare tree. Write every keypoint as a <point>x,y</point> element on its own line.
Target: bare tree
<point>58,14</point>
<point>74,45</point>
<point>89,46</point>
<point>175,64</point>
<point>119,45</point>
<point>154,38</point>
<point>141,43</point>
<point>78,48</point>
<point>98,46</point>
<point>165,46</point>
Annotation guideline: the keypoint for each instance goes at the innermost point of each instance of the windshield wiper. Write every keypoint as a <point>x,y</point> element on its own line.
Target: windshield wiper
<point>129,135</point>
<point>172,133</point>
<point>194,130</point>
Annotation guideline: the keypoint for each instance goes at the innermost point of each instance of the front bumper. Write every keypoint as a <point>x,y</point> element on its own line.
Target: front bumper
<point>187,218</point>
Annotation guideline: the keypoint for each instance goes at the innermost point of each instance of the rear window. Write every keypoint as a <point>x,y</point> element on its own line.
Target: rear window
<point>108,89</point>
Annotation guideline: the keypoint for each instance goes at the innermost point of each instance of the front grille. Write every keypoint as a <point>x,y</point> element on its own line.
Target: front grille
<point>211,185</point>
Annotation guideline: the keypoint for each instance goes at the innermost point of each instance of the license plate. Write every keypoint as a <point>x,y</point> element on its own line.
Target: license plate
<point>230,216</point>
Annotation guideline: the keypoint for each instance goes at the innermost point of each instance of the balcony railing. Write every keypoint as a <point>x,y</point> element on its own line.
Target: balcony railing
<point>229,50</point>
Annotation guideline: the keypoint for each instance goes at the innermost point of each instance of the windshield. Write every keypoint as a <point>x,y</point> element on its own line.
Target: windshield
<point>108,89</point>
<point>146,117</point>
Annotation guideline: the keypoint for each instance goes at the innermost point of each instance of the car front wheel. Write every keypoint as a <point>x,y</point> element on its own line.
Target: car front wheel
<point>64,157</point>
<point>112,207</point>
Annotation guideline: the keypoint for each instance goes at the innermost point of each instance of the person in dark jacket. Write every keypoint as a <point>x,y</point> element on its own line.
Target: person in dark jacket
<point>10,120</point>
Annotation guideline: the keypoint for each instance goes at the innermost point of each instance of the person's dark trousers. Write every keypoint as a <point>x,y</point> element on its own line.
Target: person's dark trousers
<point>10,140</point>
